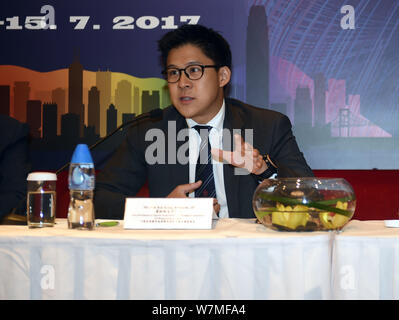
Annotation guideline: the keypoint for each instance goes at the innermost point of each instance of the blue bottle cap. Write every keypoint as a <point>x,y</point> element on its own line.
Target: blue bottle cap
<point>81,154</point>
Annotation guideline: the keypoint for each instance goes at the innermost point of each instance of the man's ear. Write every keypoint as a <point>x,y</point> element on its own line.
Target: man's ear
<point>224,76</point>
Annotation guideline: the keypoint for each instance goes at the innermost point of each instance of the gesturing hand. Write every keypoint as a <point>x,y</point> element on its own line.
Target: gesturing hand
<point>181,191</point>
<point>243,156</point>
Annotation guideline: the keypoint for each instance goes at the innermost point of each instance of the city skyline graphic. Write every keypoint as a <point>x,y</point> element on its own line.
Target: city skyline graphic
<point>99,98</point>
<point>61,98</point>
<point>309,102</point>
<point>331,83</point>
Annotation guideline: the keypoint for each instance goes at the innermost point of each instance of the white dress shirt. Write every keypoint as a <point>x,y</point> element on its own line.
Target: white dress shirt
<point>216,141</point>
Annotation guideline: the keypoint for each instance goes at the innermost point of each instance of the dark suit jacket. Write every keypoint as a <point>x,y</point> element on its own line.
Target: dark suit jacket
<point>14,164</point>
<point>127,170</point>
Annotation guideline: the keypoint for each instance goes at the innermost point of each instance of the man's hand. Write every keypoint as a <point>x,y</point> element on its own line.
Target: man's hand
<point>182,191</point>
<point>243,156</point>
<point>216,206</point>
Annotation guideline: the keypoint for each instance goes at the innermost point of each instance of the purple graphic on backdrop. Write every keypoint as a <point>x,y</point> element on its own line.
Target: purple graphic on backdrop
<point>333,75</point>
<point>350,65</point>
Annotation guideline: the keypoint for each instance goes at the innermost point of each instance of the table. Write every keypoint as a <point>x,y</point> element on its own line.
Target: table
<point>366,261</point>
<point>237,259</point>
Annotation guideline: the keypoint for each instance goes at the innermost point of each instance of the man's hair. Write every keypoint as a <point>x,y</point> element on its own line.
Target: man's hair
<point>212,44</point>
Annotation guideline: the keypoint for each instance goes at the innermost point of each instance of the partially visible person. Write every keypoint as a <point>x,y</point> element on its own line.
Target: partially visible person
<point>14,164</point>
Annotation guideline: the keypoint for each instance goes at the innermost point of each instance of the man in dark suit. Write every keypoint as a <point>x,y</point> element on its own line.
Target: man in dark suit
<point>14,164</point>
<point>247,144</point>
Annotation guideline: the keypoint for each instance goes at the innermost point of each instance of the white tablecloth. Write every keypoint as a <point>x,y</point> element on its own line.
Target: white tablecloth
<point>237,259</point>
<point>366,261</point>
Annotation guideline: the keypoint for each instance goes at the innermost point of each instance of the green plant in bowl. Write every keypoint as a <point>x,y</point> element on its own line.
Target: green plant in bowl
<point>304,204</point>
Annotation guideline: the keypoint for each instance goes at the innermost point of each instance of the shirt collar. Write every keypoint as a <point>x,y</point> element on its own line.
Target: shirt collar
<point>216,122</point>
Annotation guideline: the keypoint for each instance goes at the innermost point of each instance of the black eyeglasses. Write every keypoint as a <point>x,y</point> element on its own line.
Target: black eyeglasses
<point>193,72</point>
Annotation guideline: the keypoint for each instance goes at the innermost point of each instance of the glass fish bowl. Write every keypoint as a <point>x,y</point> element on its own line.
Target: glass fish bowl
<point>304,204</point>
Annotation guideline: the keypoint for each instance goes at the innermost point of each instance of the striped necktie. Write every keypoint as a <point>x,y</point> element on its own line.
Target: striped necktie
<point>204,169</point>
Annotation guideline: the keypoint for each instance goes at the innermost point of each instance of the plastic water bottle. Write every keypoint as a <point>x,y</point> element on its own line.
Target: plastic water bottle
<point>81,181</point>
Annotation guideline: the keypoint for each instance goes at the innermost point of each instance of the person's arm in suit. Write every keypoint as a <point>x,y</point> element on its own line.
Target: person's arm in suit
<point>285,152</point>
<point>273,136</point>
<point>14,166</point>
<point>123,176</point>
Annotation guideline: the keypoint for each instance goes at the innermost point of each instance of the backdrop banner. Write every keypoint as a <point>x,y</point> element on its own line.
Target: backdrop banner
<point>75,70</point>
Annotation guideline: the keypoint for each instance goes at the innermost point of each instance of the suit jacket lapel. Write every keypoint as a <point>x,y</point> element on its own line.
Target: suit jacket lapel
<point>179,172</point>
<point>233,120</point>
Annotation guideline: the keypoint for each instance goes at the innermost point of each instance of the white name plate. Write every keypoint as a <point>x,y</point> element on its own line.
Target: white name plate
<point>168,213</point>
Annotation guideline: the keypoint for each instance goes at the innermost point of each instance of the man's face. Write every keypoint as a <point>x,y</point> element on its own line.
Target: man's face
<point>200,99</point>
